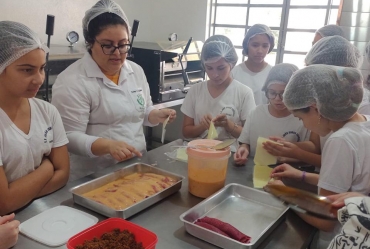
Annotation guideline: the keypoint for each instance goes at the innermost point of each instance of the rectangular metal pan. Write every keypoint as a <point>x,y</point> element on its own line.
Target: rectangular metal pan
<point>79,190</point>
<point>253,212</point>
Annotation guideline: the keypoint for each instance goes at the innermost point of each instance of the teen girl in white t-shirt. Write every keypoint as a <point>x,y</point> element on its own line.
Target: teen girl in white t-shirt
<point>257,43</point>
<point>326,98</point>
<point>221,100</point>
<point>272,119</point>
<point>33,153</point>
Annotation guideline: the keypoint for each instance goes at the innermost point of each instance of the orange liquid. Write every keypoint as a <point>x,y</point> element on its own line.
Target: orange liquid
<point>204,189</point>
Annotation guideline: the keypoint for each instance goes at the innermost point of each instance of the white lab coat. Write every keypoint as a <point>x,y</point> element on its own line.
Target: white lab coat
<point>92,106</point>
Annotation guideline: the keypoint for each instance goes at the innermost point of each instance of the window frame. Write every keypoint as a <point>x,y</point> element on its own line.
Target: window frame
<point>283,29</point>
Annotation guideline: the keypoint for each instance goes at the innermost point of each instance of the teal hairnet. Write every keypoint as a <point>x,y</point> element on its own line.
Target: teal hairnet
<point>334,50</point>
<point>217,47</point>
<point>336,91</point>
<point>103,6</point>
<point>16,40</point>
<point>258,29</point>
<point>279,74</point>
<point>330,30</point>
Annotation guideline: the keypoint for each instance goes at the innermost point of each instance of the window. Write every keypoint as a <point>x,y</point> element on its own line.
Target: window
<point>293,23</point>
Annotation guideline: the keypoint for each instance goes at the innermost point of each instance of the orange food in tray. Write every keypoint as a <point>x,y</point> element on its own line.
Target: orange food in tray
<point>130,189</point>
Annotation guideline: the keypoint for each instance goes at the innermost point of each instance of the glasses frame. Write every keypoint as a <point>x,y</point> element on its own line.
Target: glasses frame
<point>128,46</point>
<point>276,94</point>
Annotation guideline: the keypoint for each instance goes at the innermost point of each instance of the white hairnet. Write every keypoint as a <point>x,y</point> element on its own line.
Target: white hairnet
<point>336,51</point>
<point>217,47</point>
<point>368,51</point>
<point>330,30</point>
<point>336,91</point>
<point>279,74</point>
<point>103,6</point>
<point>16,40</point>
<point>258,29</point>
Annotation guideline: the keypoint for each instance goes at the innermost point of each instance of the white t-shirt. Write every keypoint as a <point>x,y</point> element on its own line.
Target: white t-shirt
<point>21,153</point>
<point>92,106</point>
<point>261,123</point>
<point>345,159</point>
<point>236,101</point>
<point>255,81</point>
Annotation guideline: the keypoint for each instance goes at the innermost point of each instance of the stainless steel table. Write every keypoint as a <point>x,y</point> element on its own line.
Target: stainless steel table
<point>163,218</point>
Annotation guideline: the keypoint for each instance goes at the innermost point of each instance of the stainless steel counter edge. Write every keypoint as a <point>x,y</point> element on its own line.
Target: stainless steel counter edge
<point>162,218</point>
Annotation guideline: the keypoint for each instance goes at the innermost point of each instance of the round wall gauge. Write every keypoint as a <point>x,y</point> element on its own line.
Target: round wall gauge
<point>72,37</point>
<point>172,37</point>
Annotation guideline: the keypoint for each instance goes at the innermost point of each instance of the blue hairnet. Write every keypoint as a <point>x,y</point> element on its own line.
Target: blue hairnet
<point>330,30</point>
<point>334,50</point>
<point>219,46</point>
<point>336,91</point>
<point>279,74</point>
<point>258,29</point>
<point>16,40</point>
<point>103,6</point>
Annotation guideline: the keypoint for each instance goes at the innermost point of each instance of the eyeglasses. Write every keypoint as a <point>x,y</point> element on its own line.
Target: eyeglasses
<point>110,49</point>
<point>272,94</point>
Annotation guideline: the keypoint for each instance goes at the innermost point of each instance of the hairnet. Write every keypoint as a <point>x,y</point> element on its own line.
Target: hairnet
<point>16,40</point>
<point>279,74</point>
<point>103,6</point>
<point>336,51</point>
<point>336,91</point>
<point>330,30</point>
<point>258,29</point>
<point>217,47</point>
<point>368,51</point>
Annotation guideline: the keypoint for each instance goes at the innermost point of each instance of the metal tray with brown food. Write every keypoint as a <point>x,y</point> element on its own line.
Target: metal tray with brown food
<point>131,194</point>
<point>253,212</point>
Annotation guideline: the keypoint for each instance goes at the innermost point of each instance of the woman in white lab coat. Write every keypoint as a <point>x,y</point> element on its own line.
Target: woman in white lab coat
<point>33,153</point>
<point>257,43</point>
<point>103,98</point>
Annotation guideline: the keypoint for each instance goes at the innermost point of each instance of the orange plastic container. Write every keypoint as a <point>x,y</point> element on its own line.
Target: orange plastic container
<point>142,235</point>
<point>206,167</point>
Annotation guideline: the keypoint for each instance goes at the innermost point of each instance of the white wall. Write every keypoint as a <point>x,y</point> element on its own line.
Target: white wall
<point>158,18</point>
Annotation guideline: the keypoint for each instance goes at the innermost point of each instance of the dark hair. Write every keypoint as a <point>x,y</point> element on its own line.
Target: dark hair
<point>98,24</point>
<point>304,110</point>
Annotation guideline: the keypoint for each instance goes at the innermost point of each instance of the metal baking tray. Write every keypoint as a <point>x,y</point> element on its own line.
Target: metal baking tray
<point>79,190</point>
<point>253,212</point>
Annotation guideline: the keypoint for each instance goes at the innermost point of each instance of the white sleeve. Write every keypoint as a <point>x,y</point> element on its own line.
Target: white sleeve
<point>245,134</point>
<point>59,134</point>
<point>338,159</point>
<point>188,106</point>
<point>248,103</point>
<point>73,104</point>
<point>148,99</point>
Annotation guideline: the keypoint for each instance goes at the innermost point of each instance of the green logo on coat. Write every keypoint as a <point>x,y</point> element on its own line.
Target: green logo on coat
<point>140,100</point>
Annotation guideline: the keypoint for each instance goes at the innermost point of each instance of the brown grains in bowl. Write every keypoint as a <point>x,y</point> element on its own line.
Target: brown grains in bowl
<point>112,240</point>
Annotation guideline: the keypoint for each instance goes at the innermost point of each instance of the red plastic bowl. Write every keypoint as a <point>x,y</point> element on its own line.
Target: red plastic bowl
<point>142,235</point>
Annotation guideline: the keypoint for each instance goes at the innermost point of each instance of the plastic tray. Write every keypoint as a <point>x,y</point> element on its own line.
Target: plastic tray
<point>148,238</point>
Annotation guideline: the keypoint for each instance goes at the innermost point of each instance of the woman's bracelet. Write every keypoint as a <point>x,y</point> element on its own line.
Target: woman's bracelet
<point>303,176</point>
